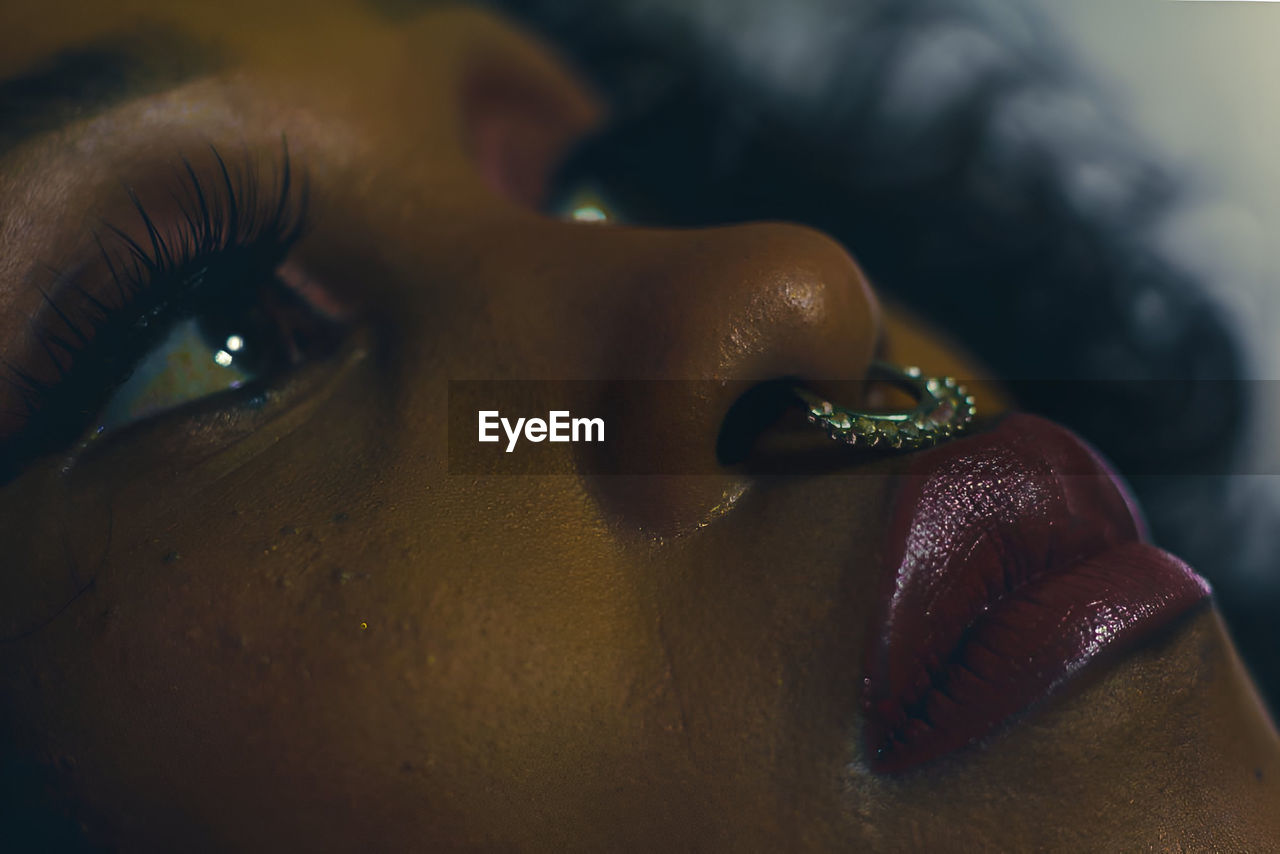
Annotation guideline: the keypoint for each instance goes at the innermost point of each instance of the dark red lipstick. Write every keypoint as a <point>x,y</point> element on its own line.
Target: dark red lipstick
<point>1015,558</point>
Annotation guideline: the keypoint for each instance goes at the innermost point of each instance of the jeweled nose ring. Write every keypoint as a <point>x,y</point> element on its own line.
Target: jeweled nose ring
<point>944,409</point>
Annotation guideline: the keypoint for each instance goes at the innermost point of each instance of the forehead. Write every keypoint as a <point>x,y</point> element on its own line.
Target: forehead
<point>60,63</point>
<point>32,32</point>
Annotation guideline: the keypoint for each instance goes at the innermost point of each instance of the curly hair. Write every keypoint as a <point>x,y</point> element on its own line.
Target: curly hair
<point>981,176</point>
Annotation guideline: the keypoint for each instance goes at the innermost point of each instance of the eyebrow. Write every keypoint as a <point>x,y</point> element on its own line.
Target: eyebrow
<point>84,80</point>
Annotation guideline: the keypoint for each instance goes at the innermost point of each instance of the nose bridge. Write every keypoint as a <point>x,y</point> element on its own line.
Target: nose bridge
<point>746,304</point>
<point>735,305</point>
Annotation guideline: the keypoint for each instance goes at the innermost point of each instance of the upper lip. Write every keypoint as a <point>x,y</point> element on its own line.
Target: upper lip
<point>1015,557</point>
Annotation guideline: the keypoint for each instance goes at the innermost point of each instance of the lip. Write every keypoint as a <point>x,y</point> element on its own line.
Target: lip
<point>1015,558</point>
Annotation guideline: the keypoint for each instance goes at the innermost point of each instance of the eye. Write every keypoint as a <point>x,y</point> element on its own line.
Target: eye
<point>584,203</point>
<point>188,303</point>
<point>251,336</point>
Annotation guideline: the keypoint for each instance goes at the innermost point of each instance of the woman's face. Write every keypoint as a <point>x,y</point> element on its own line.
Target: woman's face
<point>299,619</point>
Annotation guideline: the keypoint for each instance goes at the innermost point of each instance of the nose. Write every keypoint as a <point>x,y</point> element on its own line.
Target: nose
<point>712,314</point>
<point>678,324</point>
<point>748,303</point>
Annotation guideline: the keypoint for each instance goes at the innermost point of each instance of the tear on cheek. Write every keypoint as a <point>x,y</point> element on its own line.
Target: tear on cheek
<point>518,132</point>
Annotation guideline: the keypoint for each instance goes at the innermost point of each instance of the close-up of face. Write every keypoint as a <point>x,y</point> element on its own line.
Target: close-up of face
<point>258,593</point>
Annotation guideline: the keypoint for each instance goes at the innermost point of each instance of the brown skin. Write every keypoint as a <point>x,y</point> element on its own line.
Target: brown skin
<point>306,635</point>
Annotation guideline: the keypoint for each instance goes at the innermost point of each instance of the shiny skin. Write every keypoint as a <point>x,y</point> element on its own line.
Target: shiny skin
<point>308,635</point>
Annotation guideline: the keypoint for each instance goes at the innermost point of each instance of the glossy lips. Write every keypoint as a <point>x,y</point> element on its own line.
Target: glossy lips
<point>1015,558</point>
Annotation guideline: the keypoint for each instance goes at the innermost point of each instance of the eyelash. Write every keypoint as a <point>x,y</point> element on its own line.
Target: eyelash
<point>229,239</point>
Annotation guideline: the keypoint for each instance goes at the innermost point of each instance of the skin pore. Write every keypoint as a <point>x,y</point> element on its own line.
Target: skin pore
<point>304,633</point>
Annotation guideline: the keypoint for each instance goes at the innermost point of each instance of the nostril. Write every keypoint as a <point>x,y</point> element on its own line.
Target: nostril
<point>715,324</point>
<point>759,408</point>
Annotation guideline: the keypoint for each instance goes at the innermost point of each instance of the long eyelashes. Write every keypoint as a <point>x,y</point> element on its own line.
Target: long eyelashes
<point>220,240</point>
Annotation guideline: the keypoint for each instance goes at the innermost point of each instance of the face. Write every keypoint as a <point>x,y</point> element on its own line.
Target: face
<point>291,616</point>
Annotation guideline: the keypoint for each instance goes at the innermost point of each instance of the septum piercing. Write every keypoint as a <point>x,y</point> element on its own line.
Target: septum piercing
<point>945,409</point>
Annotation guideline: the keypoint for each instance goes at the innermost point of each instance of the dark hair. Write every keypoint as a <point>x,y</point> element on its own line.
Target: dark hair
<point>977,172</point>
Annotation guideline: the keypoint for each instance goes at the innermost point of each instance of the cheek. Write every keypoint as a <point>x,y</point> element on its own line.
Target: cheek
<point>291,648</point>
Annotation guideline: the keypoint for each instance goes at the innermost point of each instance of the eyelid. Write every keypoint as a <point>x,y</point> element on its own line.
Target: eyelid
<point>56,188</point>
<point>518,123</point>
<point>100,317</point>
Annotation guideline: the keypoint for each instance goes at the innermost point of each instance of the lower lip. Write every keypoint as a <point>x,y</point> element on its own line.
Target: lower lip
<point>1016,558</point>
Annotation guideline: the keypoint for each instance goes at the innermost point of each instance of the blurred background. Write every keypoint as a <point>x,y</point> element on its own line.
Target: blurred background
<point>1085,194</point>
<point>1199,83</point>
